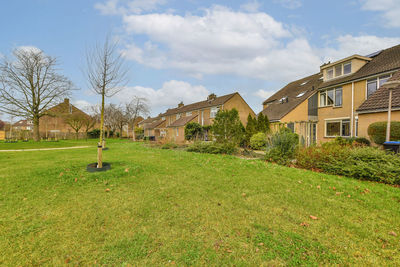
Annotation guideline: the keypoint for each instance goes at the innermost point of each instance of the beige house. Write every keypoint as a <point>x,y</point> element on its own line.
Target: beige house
<point>171,124</point>
<point>343,101</point>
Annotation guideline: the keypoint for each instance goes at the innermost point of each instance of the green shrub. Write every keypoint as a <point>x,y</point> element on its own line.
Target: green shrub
<point>365,163</point>
<point>169,146</point>
<point>95,133</point>
<point>213,148</point>
<point>362,141</point>
<point>227,127</point>
<point>193,131</point>
<point>377,131</point>
<point>282,146</point>
<point>258,141</point>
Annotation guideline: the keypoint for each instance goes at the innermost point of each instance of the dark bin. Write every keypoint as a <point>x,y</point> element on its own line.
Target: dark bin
<point>152,138</point>
<point>393,146</point>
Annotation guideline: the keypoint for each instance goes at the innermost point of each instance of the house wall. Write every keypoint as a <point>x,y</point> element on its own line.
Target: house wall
<point>2,135</point>
<point>364,120</point>
<point>343,112</point>
<point>242,107</point>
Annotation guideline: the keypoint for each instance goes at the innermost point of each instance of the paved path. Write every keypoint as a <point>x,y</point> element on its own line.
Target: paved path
<point>43,149</point>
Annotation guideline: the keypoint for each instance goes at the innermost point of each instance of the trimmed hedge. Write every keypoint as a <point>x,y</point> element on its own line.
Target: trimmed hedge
<point>377,131</point>
<point>213,148</point>
<point>364,163</point>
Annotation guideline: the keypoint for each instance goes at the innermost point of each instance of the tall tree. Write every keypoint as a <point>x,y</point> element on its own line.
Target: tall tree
<point>227,127</point>
<point>251,128</point>
<point>75,121</point>
<point>30,84</point>
<point>106,74</point>
<point>262,123</point>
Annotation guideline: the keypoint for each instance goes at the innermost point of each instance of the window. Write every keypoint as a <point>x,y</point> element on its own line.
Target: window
<point>303,83</point>
<point>329,73</point>
<point>372,84</point>
<point>70,109</point>
<point>163,118</point>
<point>178,116</point>
<point>338,97</point>
<point>322,99</point>
<point>333,128</point>
<point>338,70</point>
<point>214,112</point>
<point>356,130</point>
<point>189,113</point>
<point>347,68</point>
<point>284,100</point>
<point>301,94</point>
<point>290,126</point>
<point>177,131</point>
<point>331,97</point>
<point>383,79</point>
<point>338,128</point>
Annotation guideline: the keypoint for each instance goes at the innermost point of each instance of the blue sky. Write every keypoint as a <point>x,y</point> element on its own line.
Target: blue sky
<point>184,50</point>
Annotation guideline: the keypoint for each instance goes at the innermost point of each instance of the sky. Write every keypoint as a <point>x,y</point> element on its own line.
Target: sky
<point>179,50</point>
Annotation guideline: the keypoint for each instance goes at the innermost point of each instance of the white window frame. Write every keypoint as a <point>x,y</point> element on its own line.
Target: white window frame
<point>377,82</point>
<point>327,73</point>
<point>351,68</point>
<point>340,120</point>
<point>163,118</point>
<point>189,113</point>
<point>178,116</point>
<point>177,131</point>
<point>326,98</point>
<point>214,111</point>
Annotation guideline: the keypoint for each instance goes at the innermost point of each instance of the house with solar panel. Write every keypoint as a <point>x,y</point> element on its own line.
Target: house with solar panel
<point>343,99</point>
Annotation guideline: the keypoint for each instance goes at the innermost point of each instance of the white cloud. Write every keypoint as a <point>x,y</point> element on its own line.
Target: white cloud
<point>221,41</point>
<point>82,104</point>
<point>348,45</point>
<point>389,9</point>
<point>115,7</point>
<point>168,96</point>
<point>29,48</point>
<point>291,4</point>
<point>264,94</point>
<point>252,6</point>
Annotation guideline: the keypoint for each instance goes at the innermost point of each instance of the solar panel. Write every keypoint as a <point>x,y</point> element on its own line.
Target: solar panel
<point>374,54</point>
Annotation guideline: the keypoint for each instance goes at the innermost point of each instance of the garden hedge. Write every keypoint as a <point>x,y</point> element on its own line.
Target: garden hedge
<point>377,131</point>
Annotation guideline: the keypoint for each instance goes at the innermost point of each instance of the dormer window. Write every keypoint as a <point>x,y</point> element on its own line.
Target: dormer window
<point>284,100</point>
<point>329,73</point>
<point>338,70</point>
<point>347,68</point>
<point>189,113</point>
<point>303,83</point>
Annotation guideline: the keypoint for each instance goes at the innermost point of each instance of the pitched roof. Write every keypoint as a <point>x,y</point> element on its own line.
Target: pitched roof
<point>199,105</point>
<point>386,60</point>
<point>379,100</point>
<point>23,123</point>
<point>148,120</point>
<point>296,92</point>
<point>154,124</point>
<point>183,121</point>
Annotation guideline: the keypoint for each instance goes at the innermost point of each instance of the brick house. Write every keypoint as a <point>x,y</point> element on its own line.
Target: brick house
<point>54,123</point>
<point>347,97</point>
<point>171,124</point>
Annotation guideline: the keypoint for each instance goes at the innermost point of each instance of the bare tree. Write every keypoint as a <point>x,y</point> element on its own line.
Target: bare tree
<point>88,123</point>
<point>106,75</point>
<point>137,107</point>
<point>30,84</point>
<point>76,122</point>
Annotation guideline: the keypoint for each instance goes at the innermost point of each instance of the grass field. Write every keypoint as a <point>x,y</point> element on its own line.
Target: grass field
<point>162,207</point>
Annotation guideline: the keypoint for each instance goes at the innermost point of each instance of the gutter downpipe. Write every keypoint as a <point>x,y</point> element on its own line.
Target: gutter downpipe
<point>352,110</point>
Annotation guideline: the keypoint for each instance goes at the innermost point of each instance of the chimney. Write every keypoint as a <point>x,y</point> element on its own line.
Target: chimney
<point>180,105</point>
<point>211,97</point>
<point>66,101</point>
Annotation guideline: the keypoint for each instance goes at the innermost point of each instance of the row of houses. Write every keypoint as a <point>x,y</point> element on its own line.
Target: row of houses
<point>170,125</point>
<point>343,99</point>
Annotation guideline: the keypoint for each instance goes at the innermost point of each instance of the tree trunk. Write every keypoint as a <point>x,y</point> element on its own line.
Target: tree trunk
<point>99,151</point>
<point>36,133</point>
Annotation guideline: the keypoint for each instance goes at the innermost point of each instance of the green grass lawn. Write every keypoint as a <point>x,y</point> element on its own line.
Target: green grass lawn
<point>167,207</point>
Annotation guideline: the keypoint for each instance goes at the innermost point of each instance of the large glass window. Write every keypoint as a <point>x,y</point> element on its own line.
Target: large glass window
<point>333,128</point>
<point>330,96</point>
<point>338,97</point>
<point>347,68</point>
<point>338,128</point>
